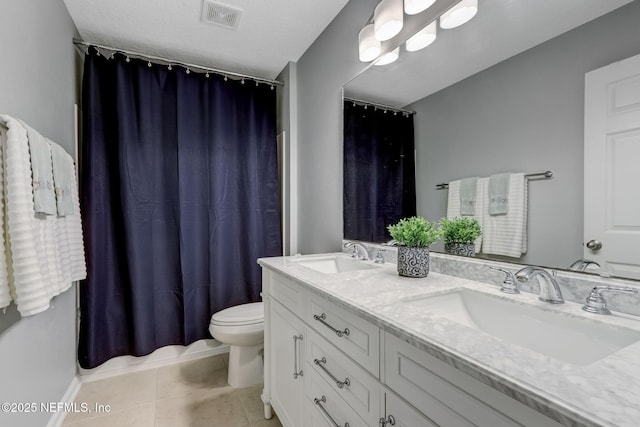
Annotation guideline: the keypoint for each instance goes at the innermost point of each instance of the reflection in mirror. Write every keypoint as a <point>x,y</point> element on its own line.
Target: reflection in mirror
<point>379,170</point>
<point>482,109</point>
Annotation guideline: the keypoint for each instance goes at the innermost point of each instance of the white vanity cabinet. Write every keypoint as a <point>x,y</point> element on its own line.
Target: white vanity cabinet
<point>327,366</point>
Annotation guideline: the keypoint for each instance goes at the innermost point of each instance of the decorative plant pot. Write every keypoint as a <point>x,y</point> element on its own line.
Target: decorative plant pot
<point>413,262</point>
<point>464,249</point>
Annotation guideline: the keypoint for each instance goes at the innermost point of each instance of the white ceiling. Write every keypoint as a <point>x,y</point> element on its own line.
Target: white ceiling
<point>270,34</point>
<point>501,29</point>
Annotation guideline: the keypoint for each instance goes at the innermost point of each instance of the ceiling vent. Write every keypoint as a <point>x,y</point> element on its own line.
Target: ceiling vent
<point>221,15</point>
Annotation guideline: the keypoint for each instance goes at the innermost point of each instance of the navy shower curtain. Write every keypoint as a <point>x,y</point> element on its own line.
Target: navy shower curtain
<point>180,196</point>
<point>379,185</point>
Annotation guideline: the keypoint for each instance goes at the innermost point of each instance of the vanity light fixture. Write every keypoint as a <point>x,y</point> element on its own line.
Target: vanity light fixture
<point>459,14</point>
<point>388,58</point>
<point>388,19</point>
<point>422,38</point>
<point>411,7</point>
<point>368,46</point>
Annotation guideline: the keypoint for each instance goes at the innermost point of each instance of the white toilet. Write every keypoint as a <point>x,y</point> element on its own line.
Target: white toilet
<point>242,328</point>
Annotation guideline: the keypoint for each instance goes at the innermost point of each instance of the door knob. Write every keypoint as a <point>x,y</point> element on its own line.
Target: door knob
<point>594,245</point>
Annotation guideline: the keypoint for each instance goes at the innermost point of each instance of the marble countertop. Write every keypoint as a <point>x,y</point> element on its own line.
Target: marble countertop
<point>603,393</point>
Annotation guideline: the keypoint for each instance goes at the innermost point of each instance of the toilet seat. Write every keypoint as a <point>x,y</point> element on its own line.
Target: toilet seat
<point>240,315</point>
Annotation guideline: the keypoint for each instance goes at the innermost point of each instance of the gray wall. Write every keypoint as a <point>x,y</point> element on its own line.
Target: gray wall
<point>325,67</point>
<point>38,85</point>
<point>524,114</point>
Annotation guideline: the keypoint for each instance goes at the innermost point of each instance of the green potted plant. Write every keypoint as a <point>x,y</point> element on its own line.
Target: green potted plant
<point>413,237</point>
<point>460,234</point>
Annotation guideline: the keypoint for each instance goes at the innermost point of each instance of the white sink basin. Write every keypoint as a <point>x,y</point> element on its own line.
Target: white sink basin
<point>565,337</point>
<point>333,264</point>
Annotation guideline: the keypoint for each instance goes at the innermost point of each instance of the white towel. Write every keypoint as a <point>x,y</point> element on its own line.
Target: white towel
<point>44,198</point>
<point>63,172</point>
<point>507,234</point>
<point>453,204</point>
<point>45,253</point>
<point>5,292</point>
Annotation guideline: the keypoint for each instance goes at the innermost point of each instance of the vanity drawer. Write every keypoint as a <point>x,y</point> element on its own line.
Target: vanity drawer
<point>435,388</point>
<point>287,292</point>
<point>361,390</point>
<point>326,407</point>
<point>357,338</point>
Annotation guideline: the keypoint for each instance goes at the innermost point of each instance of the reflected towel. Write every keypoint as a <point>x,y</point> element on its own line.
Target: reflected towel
<point>499,194</point>
<point>507,234</point>
<point>453,203</point>
<point>468,196</point>
<point>63,168</point>
<point>44,199</point>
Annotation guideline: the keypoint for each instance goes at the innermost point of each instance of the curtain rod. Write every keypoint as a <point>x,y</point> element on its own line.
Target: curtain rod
<point>187,65</point>
<point>377,105</point>
<point>545,174</point>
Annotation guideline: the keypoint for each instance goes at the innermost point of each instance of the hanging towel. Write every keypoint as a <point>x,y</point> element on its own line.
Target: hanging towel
<point>499,194</point>
<point>44,199</point>
<point>468,196</point>
<point>43,256</point>
<point>454,199</point>
<point>507,234</point>
<point>63,170</point>
<point>5,292</point>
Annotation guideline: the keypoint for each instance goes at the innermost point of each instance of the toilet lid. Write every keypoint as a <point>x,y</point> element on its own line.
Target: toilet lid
<point>245,314</point>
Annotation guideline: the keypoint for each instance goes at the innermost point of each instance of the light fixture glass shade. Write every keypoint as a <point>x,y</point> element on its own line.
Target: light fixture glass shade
<point>368,46</point>
<point>459,14</point>
<point>387,19</point>
<point>422,38</point>
<point>388,58</point>
<point>411,7</point>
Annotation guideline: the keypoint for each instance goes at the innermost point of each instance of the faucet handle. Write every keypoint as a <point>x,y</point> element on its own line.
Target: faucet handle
<point>595,302</point>
<point>379,257</point>
<point>509,283</point>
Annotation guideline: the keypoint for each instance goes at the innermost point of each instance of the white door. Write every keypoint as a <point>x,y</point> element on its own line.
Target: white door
<point>612,168</point>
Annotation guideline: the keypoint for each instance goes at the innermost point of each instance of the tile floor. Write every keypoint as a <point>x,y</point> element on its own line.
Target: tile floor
<point>189,394</point>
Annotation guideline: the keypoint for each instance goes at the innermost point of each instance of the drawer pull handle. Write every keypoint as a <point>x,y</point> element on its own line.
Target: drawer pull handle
<point>322,319</point>
<point>319,403</point>
<point>296,371</point>
<point>339,383</point>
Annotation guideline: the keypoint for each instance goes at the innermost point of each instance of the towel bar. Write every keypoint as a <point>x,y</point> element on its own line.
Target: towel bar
<point>545,174</point>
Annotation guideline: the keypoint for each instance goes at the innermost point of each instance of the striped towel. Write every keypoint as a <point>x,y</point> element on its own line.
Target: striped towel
<point>453,204</point>
<point>507,234</point>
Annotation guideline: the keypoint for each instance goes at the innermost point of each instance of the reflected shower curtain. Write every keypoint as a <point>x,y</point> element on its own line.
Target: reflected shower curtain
<point>379,171</point>
<point>179,196</point>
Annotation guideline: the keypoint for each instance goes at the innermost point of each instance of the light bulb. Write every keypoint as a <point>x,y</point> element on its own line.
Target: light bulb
<point>459,14</point>
<point>368,46</point>
<point>411,7</point>
<point>388,19</point>
<point>422,38</point>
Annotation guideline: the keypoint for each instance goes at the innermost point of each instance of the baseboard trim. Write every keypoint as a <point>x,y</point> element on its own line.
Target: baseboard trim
<point>162,357</point>
<point>69,396</point>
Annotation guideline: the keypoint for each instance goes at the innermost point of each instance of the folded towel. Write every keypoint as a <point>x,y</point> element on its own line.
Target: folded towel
<point>499,194</point>
<point>45,254</point>
<point>507,234</point>
<point>5,292</point>
<point>63,170</point>
<point>468,195</point>
<point>453,203</point>
<point>44,199</point>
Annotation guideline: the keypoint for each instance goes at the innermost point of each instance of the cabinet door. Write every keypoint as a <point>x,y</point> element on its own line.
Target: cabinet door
<point>287,362</point>
<point>400,414</point>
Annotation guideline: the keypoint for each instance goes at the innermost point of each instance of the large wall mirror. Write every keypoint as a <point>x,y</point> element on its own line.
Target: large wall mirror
<point>506,93</point>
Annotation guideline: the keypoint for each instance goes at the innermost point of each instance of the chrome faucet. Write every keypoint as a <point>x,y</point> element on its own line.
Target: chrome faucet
<point>549,289</point>
<point>595,302</point>
<point>355,254</point>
